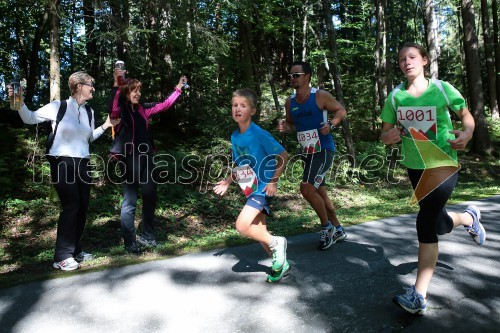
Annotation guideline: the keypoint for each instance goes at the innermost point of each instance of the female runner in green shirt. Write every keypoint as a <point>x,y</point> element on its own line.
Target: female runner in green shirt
<point>416,114</point>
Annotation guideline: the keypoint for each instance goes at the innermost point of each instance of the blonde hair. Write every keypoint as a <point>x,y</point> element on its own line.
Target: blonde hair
<point>249,94</point>
<point>78,78</point>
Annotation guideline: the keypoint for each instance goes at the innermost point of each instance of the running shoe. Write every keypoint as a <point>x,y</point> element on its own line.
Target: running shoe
<point>325,238</point>
<point>411,301</point>
<point>146,242</point>
<point>476,230</point>
<point>279,254</point>
<point>134,248</point>
<point>277,276</point>
<point>69,264</point>
<point>339,235</point>
<point>84,256</point>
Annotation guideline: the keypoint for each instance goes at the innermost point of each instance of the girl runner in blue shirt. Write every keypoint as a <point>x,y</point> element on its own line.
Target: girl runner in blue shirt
<point>260,161</point>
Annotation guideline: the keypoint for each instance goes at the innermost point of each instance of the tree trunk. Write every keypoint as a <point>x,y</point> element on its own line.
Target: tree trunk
<point>432,39</point>
<point>496,47</point>
<point>481,142</point>
<point>349,142</point>
<point>304,33</point>
<point>90,41</point>
<point>325,59</point>
<point>248,61</point>
<point>490,61</point>
<point>55,63</point>
<point>34,59</point>
<point>120,22</point>
<point>381,78</point>
<point>390,45</point>
<point>380,52</point>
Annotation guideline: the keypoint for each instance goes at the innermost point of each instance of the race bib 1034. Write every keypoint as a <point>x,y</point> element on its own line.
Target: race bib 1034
<point>246,178</point>
<point>309,141</point>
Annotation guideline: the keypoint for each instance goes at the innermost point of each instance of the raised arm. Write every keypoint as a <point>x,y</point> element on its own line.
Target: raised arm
<point>167,103</point>
<point>45,113</point>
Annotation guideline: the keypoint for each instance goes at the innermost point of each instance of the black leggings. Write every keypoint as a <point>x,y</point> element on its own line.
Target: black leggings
<point>71,180</point>
<point>432,219</point>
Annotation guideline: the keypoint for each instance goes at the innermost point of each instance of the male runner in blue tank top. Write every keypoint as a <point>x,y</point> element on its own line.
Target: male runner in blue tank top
<point>307,113</point>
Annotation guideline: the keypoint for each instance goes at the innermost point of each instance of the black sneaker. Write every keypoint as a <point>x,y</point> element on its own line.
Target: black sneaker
<point>134,249</point>
<point>146,242</point>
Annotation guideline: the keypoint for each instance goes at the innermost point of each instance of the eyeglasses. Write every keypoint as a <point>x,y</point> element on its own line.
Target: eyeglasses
<point>295,75</point>
<point>91,85</point>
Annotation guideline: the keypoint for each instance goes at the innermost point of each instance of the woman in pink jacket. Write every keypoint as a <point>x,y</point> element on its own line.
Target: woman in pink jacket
<point>133,146</point>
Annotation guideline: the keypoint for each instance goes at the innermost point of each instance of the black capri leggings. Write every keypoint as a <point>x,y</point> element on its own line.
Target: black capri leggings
<point>432,218</point>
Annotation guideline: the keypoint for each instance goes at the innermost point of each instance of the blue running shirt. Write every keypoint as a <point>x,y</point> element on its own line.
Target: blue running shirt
<point>256,148</point>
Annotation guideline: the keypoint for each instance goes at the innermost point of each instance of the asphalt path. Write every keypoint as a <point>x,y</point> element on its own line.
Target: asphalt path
<point>347,288</point>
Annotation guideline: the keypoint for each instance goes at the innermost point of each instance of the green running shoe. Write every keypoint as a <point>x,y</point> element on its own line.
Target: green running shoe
<point>277,276</point>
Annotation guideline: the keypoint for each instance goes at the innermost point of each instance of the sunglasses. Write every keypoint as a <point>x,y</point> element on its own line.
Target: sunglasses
<point>88,84</point>
<point>295,75</point>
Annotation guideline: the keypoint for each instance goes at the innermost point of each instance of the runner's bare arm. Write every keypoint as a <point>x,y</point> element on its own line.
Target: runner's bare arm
<point>463,136</point>
<point>326,101</point>
<point>390,134</point>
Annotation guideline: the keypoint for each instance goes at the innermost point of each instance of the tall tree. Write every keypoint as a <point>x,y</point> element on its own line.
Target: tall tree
<point>380,51</point>
<point>55,62</point>
<point>490,61</point>
<point>481,142</point>
<point>248,59</point>
<point>332,43</point>
<point>90,40</point>
<point>304,31</point>
<point>496,47</point>
<point>432,37</point>
<point>32,67</point>
<point>120,22</point>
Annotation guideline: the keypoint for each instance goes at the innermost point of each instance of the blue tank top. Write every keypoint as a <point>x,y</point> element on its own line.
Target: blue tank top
<point>308,116</point>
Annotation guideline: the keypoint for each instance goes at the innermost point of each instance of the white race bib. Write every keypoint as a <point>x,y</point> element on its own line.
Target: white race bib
<point>246,178</point>
<point>421,118</point>
<point>309,141</point>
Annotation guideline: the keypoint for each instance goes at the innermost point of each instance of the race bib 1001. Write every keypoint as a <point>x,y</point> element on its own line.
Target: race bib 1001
<point>421,118</point>
<point>309,141</point>
<point>246,178</point>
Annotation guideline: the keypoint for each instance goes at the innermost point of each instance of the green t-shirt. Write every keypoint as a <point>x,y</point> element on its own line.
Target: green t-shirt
<point>425,124</point>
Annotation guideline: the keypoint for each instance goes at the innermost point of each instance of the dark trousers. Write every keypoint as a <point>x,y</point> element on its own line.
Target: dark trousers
<point>71,180</point>
<point>138,173</point>
<point>433,219</point>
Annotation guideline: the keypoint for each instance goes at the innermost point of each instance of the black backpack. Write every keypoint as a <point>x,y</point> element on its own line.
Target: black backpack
<point>60,115</point>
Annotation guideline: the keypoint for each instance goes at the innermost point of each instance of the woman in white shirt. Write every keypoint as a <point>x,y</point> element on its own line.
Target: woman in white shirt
<point>69,156</point>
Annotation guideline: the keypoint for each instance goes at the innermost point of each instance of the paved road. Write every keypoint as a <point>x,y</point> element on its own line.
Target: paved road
<point>346,289</point>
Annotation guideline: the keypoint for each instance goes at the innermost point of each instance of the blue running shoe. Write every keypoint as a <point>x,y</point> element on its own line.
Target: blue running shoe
<point>476,230</point>
<point>330,236</point>
<point>325,238</point>
<point>412,301</point>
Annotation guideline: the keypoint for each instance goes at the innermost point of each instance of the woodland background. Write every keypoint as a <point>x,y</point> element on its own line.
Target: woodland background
<point>222,46</point>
